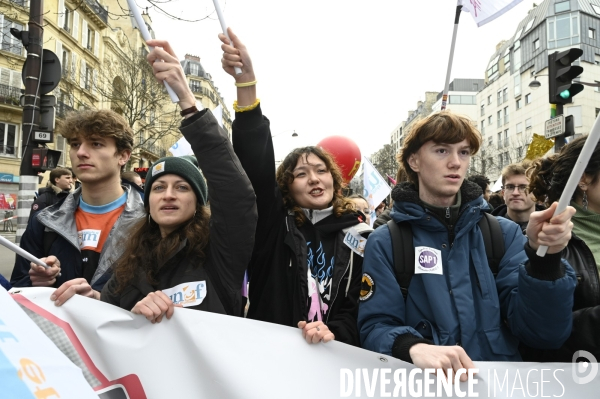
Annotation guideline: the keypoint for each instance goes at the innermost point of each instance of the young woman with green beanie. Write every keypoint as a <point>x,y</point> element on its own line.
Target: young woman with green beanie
<point>182,253</point>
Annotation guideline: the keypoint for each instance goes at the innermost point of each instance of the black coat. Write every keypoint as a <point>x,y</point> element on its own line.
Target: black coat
<point>586,309</point>
<point>232,226</point>
<point>278,290</point>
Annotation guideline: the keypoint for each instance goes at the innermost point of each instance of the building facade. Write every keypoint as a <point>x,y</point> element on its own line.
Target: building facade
<point>510,112</point>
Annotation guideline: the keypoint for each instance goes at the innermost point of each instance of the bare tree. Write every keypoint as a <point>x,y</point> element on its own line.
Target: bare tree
<point>385,162</point>
<point>128,84</point>
<point>494,156</point>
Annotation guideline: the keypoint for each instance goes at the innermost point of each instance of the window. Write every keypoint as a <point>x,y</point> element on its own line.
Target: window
<point>563,30</point>
<point>528,98</point>
<point>596,8</point>
<point>9,42</point>
<point>506,138</point>
<point>499,118</point>
<point>528,123</point>
<point>518,85</point>
<point>519,103</point>
<point>489,99</point>
<point>194,69</point>
<point>500,158</point>
<point>455,99</point>
<point>519,128</point>
<point>8,139</point>
<point>490,120</point>
<point>500,97</point>
<point>591,33</point>
<point>517,56</point>
<point>482,128</point>
<point>195,86</point>
<point>64,62</point>
<point>490,140</point>
<point>520,153</point>
<point>90,40</point>
<point>536,44</point>
<point>505,95</point>
<point>562,6</point>
<point>67,19</point>
<point>482,108</point>
<point>597,111</point>
<point>505,115</point>
<point>576,113</point>
<point>499,140</point>
<point>529,25</point>
<point>492,71</point>
<point>506,59</point>
<point>597,89</point>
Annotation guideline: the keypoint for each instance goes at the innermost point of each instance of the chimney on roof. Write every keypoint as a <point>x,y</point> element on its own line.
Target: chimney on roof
<point>192,57</point>
<point>500,45</point>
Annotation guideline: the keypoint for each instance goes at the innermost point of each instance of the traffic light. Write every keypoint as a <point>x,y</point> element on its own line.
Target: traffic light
<point>560,76</point>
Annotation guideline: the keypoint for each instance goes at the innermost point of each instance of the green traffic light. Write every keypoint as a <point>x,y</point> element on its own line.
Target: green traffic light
<point>565,94</point>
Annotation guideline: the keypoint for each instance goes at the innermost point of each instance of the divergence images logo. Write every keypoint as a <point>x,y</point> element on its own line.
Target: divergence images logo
<point>586,371</point>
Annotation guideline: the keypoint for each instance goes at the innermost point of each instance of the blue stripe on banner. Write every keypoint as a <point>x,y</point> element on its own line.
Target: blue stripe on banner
<point>11,386</point>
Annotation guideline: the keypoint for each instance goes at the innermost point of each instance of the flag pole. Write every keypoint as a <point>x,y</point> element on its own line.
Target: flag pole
<point>447,84</point>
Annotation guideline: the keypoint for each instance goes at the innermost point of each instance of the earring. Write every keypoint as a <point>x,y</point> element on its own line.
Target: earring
<point>584,201</point>
<point>149,219</point>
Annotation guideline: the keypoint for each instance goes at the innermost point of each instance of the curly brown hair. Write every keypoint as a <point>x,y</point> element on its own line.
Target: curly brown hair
<point>441,127</point>
<point>97,123</point>
<point>548,176</point>
<point>285,177</point>
<point>147,251</point>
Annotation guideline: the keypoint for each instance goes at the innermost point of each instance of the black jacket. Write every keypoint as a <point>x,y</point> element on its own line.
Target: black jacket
<point>47,196</point>
<point>586,309</point>
<point>502,210</point>
<point>232,226</point>
<point>278,290</point>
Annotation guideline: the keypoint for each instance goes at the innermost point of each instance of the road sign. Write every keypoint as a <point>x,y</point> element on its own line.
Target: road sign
<point>555,126</point>
<point>51,72</point>
<point>42,137</point>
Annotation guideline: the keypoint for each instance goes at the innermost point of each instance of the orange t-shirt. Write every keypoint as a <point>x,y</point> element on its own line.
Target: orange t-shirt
<point>94,224</point>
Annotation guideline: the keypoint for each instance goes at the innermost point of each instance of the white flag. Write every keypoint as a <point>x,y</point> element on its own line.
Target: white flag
<point>181,148</point>
<point>484,11</point>
<point>376,189</point>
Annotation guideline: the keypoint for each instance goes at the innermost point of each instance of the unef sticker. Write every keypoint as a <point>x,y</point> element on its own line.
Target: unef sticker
<point>428,261</point>
<point>187,294</point>
<point>158,168</point>
<point>367,288</point>
<point>355,241</point>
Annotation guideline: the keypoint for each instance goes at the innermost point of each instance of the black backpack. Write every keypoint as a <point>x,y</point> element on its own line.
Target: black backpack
<point>404,250</point>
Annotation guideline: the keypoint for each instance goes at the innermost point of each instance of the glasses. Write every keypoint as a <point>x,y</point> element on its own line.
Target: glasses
<point>511,187</point>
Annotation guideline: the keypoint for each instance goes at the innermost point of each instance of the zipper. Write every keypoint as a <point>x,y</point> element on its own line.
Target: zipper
<point>338,288</point>
<point>449,227</point>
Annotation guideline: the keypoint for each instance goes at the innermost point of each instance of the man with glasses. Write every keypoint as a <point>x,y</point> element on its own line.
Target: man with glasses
<point>519,203</point>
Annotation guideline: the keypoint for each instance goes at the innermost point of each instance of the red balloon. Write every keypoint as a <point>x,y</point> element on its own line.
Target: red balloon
<point>345,152</point>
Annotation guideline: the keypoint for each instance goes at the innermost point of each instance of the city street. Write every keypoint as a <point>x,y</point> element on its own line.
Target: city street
<point>7,257</point>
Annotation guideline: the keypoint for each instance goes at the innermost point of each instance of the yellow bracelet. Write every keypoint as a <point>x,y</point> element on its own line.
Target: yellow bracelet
<point>247,84</point>
<point>245,107</point>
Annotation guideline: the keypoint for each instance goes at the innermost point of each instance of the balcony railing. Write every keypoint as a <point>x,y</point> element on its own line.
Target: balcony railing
<point>22,3</point>
<point>9,95</point>
<point>98,9</point>
<point>151,148</point>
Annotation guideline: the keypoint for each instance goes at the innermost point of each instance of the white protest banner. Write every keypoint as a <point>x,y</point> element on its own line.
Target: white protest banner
<point>484,11</point>
<point>375,187</point>
<point>31,366</point>
<point>205,355</point>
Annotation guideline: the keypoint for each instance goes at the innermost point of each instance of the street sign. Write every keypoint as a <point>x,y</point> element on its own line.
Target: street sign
<point>51,72</point>
<point>42,137</point>
<point>555,126</point>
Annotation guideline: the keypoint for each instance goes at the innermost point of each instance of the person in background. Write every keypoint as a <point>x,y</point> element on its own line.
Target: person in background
<point>180,243</point>
<point>76,182</point>
<point>483,182</point>
<point>496,200</point>
<point>60,183</point>
<point>361,205</point>
<point>548,177</point>
<point>132,177</point>
<point>519,202</point>
<point>302,273</point>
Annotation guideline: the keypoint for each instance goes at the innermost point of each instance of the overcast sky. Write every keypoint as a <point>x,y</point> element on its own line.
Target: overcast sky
<point>333,67</point>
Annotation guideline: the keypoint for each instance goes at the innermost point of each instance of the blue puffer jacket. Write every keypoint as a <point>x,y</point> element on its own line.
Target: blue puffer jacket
<point>529,300</point>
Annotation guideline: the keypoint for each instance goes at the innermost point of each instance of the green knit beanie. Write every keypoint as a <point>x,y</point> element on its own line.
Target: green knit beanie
<point>186,167</point>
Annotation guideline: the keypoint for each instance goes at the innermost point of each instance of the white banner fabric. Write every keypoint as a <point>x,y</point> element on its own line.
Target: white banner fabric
<point>484,11</point>
<point>198,354</point>
<point>375,187</point>
<point>30,365</point>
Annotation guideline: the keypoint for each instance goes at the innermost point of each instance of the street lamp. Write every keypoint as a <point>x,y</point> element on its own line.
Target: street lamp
<point>286,131</point>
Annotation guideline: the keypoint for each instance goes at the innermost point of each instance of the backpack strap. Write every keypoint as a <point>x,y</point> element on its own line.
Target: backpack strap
<point>403,249</point>
<point>403,252</point>
<point>494,249</point>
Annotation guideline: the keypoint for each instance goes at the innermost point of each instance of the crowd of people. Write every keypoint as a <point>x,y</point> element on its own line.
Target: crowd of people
<point>443,301</point>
